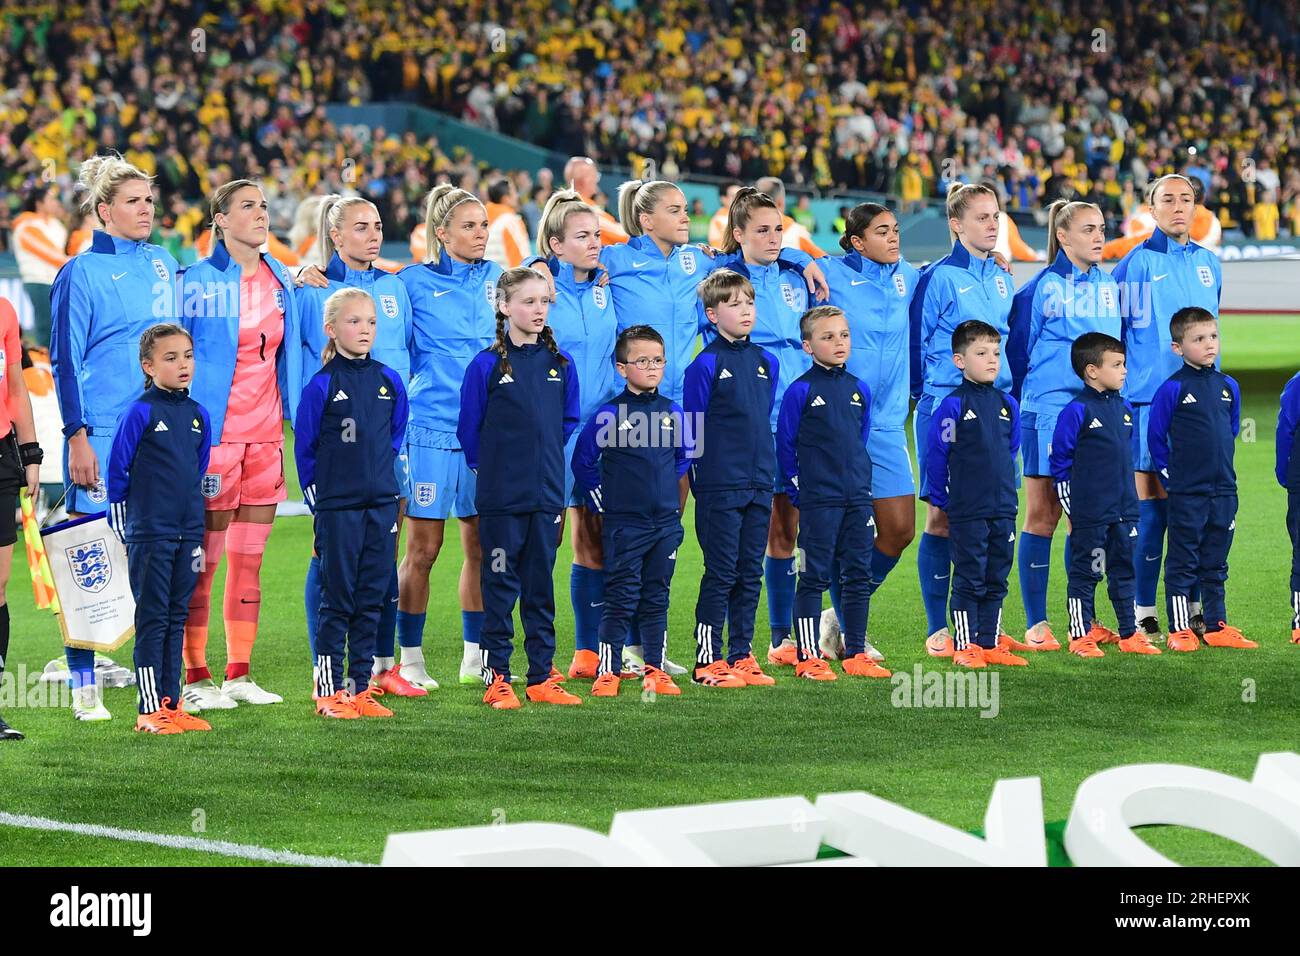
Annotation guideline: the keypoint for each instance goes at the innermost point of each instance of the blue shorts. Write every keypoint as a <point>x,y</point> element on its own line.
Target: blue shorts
<point>1141,453</point>
<point>95,501</point>
<point>442,484</point>
<point>1036,430</point>
<point>891,465</point>
<point>921,433</point>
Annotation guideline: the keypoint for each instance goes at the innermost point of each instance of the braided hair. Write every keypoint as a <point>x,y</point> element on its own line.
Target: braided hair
<point>510,280</point>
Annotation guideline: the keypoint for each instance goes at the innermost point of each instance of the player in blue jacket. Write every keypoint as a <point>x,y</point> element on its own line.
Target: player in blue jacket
<point>1165,273</point>
<point>350,428</point>
<point>1091,461</point>
<point>874,285</point>
<point>238,305</point>
<point>971,476</point>
<point>585,328</point>
<point>630,460</point>
<point>1287,469</point>
<point>1071,297</point>
<point>821,446</point>
<point>1194,420</point>
<point>965,285</point>
<point>159,454</point>
<point>350,237</point>
<point>101,302</point>
<point>519,405</point>
<point>730,389</point>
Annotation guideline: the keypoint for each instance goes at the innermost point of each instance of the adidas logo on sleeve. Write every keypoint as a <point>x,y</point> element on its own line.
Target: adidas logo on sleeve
<point>1095,423</point>
<point>505,380</point>
<point>1190,399</point>
<point>160,427</point>
<point>970,415</point>
<point>340,396</point>
<point>818,402</point>
<point>725,373</point>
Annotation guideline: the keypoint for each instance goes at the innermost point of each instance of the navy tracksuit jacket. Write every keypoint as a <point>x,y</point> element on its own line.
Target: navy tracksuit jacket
<point>971,470</point>
<point>516,413</point>
<point>157,462</point>
<point>1287,469</point>
<point>1195,417</point>
<point>821,445</point>
<point>729,393</point>
<point>629,460</point>
<point>350,429</point>
<point>1092,467</point>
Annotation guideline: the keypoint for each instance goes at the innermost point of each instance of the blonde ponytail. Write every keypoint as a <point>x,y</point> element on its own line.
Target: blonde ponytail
<point>1059,216</point>
<point>438,206</point>
<point>332,208</point>
<point>562,204</point>
<point>101,177</point>
<point>638,197</point>
<point>960,195</point>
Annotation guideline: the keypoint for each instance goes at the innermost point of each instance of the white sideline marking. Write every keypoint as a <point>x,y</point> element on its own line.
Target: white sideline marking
<point>224,848</point>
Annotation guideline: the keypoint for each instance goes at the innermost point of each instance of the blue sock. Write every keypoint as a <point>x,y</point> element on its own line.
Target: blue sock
<point>410,629</point>
<point>835,593</point>
<point>881,565</point>
<point>935,570</point>
<point>387,633</point>
<point>1035,560</point>
<point>81,666</point>
<point>587,592</point>
<point>1153,517</point>
<point>471,625</point>
<point>779,575</point>
<point>311,602</point>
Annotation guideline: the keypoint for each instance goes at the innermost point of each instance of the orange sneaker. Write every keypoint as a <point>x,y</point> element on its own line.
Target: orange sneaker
<point>1104,635</point>
<point>1137,643</point>
<point>717,674</point>
<point>338,706</point>
<point>1295,635</point>
<point>392,682</point>
<point>1009,643</point>
<point>659,682</point>
<point>1228,636</point>
<point>550,692</point>
<point>606,685</point>
<point>1040,638</point>
<point>1086,646</point>
<point>501,695</point>
<point>159,722</point>
<point>783,656</point>
<point>860,665</point>
<point>972,657</point>
<point>1183,641</point>
<point>584,665</point>
<point>183,720</point>
<point>748,670</point>
<point>814,668</point>
<point>367,704</point>
<point>1000,654</point>
<point>939,644</point>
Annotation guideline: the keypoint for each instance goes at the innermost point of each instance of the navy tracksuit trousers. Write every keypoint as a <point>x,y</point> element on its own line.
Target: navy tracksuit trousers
<point>639,565</point>
<point>355,546</point>
<point>1198,540</point>
<point>518,563</point>
<point>982,551</point>
<point>1108,549</point>
<point>731,527</point>
<point>162,576</point>
<point>830,535</point>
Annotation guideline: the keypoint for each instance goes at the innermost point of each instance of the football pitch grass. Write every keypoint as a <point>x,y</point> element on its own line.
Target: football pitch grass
<point>279,777</point>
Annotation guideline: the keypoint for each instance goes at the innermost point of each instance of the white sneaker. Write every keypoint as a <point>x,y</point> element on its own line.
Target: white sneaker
<point>87,704</point>
<point>633,659</point>
<point>415,673</point>
<point>676,670</point>
<point>205,695</point>
<point>244,691</point>
<point>829,638</point>
<point>871,651</point>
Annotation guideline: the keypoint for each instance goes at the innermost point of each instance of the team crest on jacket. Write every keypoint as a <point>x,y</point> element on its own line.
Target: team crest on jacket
<point>279,299</point>
<point>900,284</point>
<point>1108,297</point>
<point>160,268</point>
<point>787,293</point>
<point>425,492</point>
<point>210,486</point>
<point>90,566</point>
<point>490,293</point>
<point>687,259</point>
<point>1002,285</point>
<point>1205,275</point>
<point>389,304</point>
<point>598,298</point>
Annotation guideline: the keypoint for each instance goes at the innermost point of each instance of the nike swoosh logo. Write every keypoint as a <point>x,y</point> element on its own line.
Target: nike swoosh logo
<point>858,282</point>
<point>1159,277</point>
<point>966,288</point>
<point>1151,557</point>
<point>793,571</point>
<point>597,603</point>
<point>1039,566</point>
<point>211,295</point>
<point>941,577</point>
<point>442,293</point>
<point>118,276</point>
<point>638,265</point>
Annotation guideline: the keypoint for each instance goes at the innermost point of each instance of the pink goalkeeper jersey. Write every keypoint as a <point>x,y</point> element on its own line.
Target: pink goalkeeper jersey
<point>253,413</point>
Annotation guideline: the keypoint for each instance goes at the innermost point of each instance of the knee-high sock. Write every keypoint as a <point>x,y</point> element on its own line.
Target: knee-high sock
<point>410,633</point>
<point>196,625</point>
<point>934,567</point>
<point>387,633</point>
<point>587,592</point>
<point>471,625</point>
<point>1035,559</point>
<point>881,565</point>
<point>311,601</point>
<point>1153,518</point>
<point>779,575</point>
<point>245,545</point>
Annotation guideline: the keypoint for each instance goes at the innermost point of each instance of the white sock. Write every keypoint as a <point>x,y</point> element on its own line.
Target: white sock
<point>382,664</point>
<point>413,655</point>
<point>472,654</point>
<point>1196,608</point>
<point>1144,611</point>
